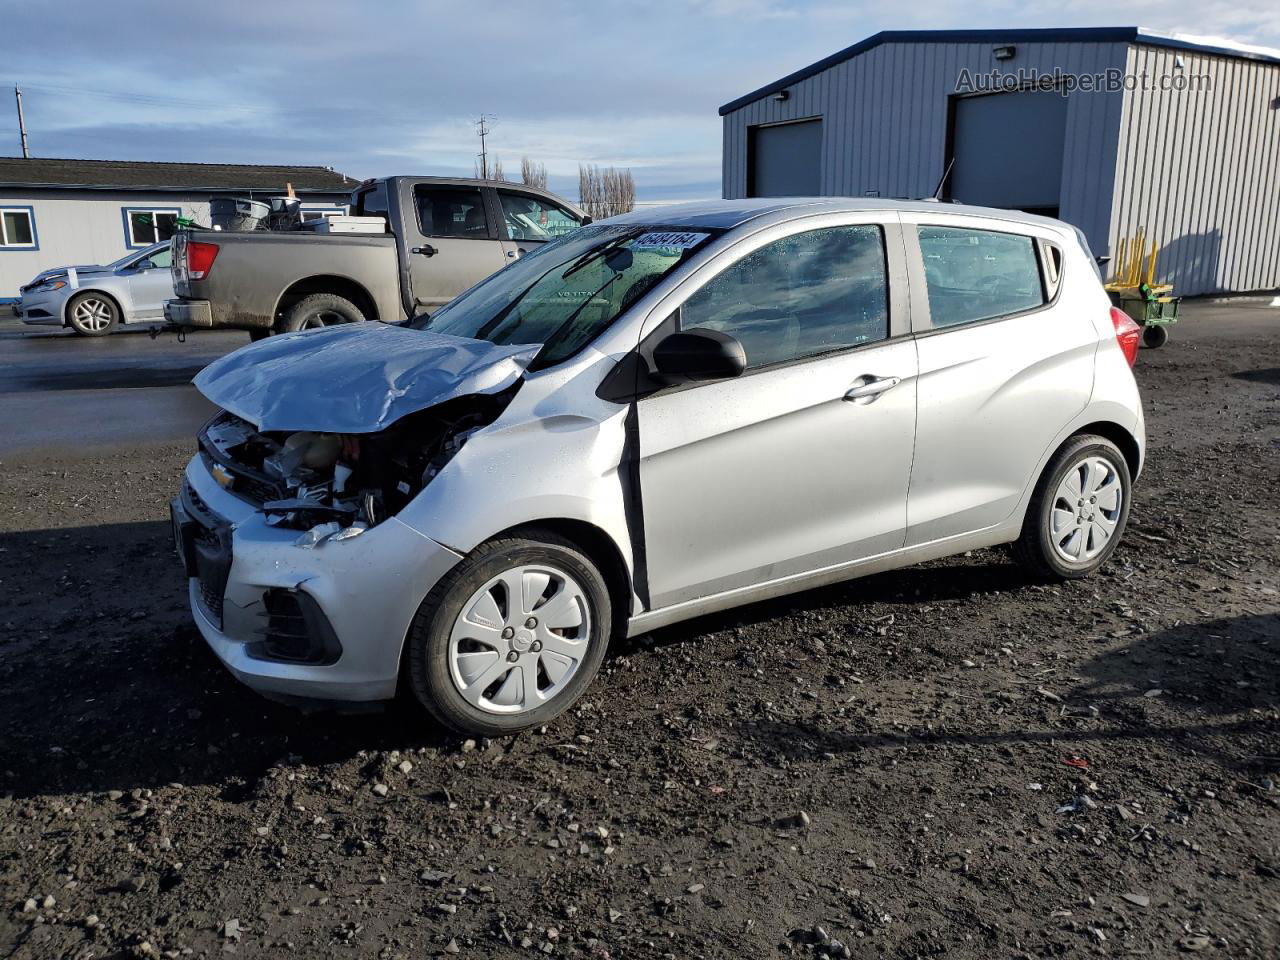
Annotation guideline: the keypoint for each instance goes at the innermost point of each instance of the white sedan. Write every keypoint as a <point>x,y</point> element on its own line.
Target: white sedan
<point>94,300</point>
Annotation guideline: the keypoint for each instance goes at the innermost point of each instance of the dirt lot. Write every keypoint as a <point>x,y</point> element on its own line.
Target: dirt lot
<point>948,760</point>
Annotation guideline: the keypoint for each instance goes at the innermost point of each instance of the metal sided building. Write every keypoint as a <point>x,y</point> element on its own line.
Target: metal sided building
<point>70,212</point>
<point>1113,129</point>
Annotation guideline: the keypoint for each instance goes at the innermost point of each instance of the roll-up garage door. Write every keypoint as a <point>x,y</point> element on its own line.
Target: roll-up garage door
<point>784,160</point>
<point>1008,150</point>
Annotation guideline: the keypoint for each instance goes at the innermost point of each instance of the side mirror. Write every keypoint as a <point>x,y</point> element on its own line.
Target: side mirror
<point>144,265</point>
<point>699,354</point>
<point>586,220</point>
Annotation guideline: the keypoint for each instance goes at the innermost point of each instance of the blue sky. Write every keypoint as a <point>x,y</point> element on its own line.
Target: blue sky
<point>388,87</point>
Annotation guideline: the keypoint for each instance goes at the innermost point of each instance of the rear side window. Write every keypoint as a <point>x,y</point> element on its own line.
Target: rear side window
<point>372,202</point>
<point>451,212</point>
<point>977,275</point>
<point>803,295</point>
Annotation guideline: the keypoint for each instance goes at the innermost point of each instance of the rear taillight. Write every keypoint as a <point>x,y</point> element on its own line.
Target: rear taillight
<point>1128,334</point>
<point>200,257</point>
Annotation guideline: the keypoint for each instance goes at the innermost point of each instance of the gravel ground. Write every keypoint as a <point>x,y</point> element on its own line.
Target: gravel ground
<point>947,760</point>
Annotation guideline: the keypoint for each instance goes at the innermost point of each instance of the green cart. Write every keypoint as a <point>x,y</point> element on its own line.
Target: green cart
<point>1152,307</point>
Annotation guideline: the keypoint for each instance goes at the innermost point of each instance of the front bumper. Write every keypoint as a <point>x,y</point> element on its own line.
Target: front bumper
<point>41,308</point>
<point>188,313</point>
<point>366,591</point>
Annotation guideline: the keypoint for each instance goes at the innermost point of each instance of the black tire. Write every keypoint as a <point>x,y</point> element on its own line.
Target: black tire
<point>1155,335</point>
<point>1035,549</point>
<point>426,661</point>
<point>319,310</point>
<point>259,333</point>
<point>102,314</point>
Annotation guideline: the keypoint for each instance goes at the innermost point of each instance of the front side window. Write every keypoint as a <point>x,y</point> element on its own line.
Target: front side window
<point>161,259</point>
<point>566,293</point>
<point>451,212</point>
<point>975,275</point>
<point>17,228</point>
<point>145,227</point>
<point>531,218</point>
<point>803,295</point>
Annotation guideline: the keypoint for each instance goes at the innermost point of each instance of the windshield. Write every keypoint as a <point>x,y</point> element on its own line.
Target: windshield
<point>149,253</point>
<point>568,292</point>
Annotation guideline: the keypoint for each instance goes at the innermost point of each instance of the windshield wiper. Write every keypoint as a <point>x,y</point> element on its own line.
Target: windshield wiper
<point>565,327</point>
<point>595,254</point>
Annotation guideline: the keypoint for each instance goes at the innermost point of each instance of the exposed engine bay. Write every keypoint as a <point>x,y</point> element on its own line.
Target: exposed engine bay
<point>335,485</point>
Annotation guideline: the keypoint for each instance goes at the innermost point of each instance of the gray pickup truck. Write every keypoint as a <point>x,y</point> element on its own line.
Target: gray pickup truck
<point>444,236</point>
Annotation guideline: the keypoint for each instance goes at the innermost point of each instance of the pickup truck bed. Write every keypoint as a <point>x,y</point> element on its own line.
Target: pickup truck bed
<point>445,235</point>
<point>256,277</point>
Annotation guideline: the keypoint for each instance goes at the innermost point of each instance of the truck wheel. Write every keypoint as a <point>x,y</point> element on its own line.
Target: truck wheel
<point>319,310</point>
<point>91,314</point>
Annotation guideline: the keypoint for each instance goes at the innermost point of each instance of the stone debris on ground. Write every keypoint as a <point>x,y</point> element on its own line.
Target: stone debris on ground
<point>867,770</point>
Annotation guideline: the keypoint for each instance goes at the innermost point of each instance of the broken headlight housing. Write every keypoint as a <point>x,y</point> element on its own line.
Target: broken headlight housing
<point>341,484</point>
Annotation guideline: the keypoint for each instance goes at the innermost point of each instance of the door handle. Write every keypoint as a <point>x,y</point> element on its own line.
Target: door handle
<point>427,250</point>
<point>870,388</point>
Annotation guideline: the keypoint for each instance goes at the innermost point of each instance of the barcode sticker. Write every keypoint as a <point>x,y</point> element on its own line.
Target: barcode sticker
<point>671,240</point>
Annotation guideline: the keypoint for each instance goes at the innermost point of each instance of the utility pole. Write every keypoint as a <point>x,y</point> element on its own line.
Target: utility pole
<point>22,124</point>
<point>482,128</point>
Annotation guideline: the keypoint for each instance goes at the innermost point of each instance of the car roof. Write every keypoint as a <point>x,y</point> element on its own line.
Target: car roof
<point>474,182</point>
<point>727,214</point>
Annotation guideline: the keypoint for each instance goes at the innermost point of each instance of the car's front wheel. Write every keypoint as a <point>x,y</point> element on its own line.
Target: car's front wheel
<point>1078,512</point>
<point>511,637</point>
<point>92,314</point>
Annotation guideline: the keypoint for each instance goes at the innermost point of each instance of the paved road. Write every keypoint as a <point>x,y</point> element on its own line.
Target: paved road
<point>60,393</point>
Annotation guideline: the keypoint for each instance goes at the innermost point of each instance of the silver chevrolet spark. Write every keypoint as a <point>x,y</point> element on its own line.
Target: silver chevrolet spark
<point>669,413</point>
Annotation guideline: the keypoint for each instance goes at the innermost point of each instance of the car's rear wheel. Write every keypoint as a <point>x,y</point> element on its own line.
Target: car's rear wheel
<point>319,310</point>
<point>511,637</point>
<point>1078,512</point>
<point>92,314</point>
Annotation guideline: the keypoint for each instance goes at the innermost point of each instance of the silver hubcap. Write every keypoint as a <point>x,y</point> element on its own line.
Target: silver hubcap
<point>1086,510</point>
<point>520,639</point>
<point>323,318</point>
<point>92,314</point>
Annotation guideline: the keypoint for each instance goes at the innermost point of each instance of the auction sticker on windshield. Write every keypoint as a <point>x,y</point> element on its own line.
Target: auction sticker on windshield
<point>670,240</point>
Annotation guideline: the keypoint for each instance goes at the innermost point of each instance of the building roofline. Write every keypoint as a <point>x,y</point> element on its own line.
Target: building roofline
<point>147,188</point>
<point>1024,35</point>
<point>77,173</point>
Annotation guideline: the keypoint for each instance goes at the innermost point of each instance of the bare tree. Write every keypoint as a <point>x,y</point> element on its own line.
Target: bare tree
<point>605,192</point>
<point>497,169</point>
<point>533,174</point>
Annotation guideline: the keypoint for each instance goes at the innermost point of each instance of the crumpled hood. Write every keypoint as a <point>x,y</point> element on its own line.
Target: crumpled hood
<point>357,377</point>
<point>52,272</point>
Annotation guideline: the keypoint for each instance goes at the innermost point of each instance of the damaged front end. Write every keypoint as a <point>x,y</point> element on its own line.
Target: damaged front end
<point>332,431</point>
<point>334,486</point>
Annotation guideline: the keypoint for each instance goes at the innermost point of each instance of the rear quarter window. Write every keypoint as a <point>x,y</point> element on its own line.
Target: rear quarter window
<point>975,275</point>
